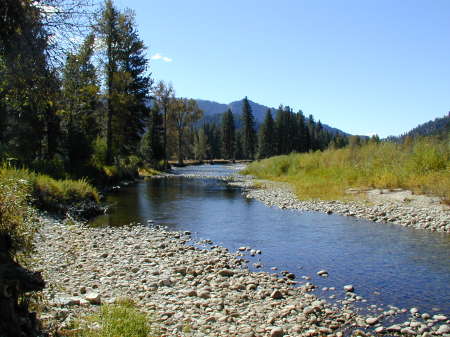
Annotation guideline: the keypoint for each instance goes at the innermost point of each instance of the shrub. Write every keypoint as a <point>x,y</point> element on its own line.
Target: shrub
<point>17,218</point>
<point>119,319</point>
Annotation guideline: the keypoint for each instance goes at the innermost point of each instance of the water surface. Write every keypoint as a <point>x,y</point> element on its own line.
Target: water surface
<point>387,264</point>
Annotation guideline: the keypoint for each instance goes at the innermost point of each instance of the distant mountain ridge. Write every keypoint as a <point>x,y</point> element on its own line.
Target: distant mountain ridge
<point>435,127</point>
<point>213,112</point>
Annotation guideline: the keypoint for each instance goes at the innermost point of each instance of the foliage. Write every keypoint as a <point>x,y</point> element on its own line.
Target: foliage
<point>248,131</point>
<point>182,114</point>
<point>266,137</point>
<point>119,319</point>
<point>17,218</point>
<point>228,135</point>
<point>51,194</point>
<point>422,166</point>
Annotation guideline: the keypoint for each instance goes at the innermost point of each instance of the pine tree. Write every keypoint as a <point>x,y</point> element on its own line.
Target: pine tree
<point>132,89</point>
<point>248,131</point>
<point>108,31</point>
<point>80,92</point>
<point>228,135</point>
<point>151,147</point>
<point>126,81</point>
<point>303,144</point>
<point>266,136</point>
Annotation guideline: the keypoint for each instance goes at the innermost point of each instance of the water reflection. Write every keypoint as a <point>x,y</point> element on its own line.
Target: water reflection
<point>408,267</point>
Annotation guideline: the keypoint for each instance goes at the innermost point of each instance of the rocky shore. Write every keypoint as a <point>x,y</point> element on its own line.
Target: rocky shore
<point>190,290</point>
<point>381,206</point>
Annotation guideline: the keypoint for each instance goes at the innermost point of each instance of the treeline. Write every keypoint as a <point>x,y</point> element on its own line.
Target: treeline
<point>439,127</point>
<point>91,115</point>
<point>283,133</point>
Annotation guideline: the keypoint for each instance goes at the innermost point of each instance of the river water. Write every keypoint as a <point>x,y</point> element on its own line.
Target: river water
<point>387,264</point>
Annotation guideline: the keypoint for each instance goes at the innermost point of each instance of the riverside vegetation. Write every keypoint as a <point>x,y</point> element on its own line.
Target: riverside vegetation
<point>421,165</point>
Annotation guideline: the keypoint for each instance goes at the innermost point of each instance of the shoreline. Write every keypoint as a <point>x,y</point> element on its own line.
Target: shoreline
<point>191,291</point>
<point>381,206</point>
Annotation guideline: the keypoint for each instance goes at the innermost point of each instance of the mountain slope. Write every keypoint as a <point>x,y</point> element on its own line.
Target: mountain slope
<point>440,126</point>
<point>213,112</point>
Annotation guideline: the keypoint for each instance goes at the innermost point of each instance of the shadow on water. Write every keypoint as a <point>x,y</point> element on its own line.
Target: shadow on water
<point>387,264</point>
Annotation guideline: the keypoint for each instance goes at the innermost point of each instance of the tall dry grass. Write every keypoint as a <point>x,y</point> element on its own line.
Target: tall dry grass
<point>422,166</point>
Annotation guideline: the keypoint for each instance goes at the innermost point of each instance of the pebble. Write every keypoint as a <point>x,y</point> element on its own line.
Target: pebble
<point>425,217</point>
<point>178,284</point>
<point>349,288</point>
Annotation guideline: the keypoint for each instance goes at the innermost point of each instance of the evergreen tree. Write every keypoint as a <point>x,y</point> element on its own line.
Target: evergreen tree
<point>108,32</point>
<point>303,134</point>
<point>266,136</point>
<point>132,89</point>
<point>80,103</point>
<point>126,81</point>
<point>239,154</point>
<point>151,147</point>
<point>248,131</point>
<point>213,134</point>
<point>228,135</point>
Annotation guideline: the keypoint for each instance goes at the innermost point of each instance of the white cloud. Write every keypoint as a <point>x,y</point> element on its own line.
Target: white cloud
<point>158,56</point>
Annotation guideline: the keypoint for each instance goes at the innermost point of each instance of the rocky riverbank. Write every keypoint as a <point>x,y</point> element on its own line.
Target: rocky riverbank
<point>192,291</point>
<point>381,206</point>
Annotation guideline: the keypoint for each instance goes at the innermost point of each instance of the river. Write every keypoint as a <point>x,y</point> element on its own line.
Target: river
<point>387,264</point>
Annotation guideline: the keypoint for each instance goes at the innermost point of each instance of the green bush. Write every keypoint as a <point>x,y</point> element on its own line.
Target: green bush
<point>17,218</point>
<point>119,319</point>
<point>51,194</point>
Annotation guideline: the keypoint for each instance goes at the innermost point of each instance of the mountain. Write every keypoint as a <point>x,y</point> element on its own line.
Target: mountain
<point>440,126</point>
<point>213,111</point>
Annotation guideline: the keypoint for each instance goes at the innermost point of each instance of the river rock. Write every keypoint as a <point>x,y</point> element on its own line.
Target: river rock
<point>371,320</point>
<point>276,295</point>
<point>440,318</point>
<point>349,288</point>
<point>93,297</point>
<point>226,272</point>
<point>322,273</point>
<point>276,332</point>
<point>443,329</point>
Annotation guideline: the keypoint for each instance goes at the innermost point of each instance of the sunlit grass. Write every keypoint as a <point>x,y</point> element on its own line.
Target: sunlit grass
<point>423,167</point>
<point>47,192</point>
<point>119,319</point>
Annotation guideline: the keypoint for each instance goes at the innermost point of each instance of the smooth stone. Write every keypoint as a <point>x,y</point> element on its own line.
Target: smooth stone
<point>276,332</point>
<point>276,295</point>
<point>349,288</point>
<point>440,318</point>
<point>372,320</point>
<point>93,297</point>
<point>443,329</point>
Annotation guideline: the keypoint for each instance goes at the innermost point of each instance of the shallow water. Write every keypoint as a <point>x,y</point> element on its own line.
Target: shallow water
<point>387,264</point>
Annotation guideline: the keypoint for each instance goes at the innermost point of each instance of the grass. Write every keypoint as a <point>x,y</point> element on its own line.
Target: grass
<point>121,319</point>
<point>17,218</point>
<point>422,166</point>
<point>48,193</point>
<point>148,172</point>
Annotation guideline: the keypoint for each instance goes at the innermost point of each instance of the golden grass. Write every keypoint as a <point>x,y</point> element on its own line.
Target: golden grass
<point>423,167</point>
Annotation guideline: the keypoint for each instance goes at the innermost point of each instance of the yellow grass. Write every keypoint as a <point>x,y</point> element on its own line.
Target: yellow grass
<point>423,167</point>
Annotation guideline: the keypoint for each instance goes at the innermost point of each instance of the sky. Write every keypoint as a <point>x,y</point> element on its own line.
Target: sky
<point>366,67</point>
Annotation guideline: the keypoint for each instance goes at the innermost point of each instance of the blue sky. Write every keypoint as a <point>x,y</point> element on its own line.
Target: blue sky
<point>366,67</point>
